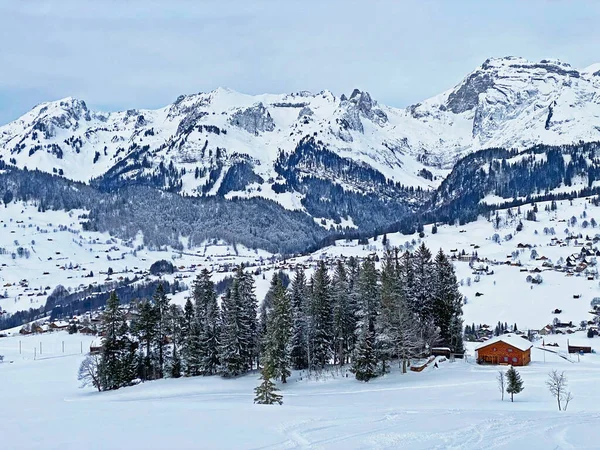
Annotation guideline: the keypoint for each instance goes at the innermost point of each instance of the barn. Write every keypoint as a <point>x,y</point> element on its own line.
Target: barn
<point>506,349</point>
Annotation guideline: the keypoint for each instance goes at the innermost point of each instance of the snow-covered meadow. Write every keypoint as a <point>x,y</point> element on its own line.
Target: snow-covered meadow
<point>456,406</point>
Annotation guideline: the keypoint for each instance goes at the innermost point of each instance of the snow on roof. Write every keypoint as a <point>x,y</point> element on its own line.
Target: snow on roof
<point>510,339</point>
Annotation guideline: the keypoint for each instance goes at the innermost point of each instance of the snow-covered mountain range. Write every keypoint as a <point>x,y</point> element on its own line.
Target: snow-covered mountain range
<point>227,143</point>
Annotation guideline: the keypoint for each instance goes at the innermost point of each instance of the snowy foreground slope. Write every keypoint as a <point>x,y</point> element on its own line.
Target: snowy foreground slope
<point>456,406</point>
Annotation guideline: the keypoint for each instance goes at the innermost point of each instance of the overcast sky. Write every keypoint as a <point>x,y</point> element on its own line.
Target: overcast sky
<point>143,54</point>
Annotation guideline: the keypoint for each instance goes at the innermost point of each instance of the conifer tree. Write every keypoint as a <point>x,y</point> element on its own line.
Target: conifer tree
<point>448,303</point>
<point>279,333</point>
<point>266,392</point>
<point>233,333</point>
<point>117,363</point>
<point>207,316</point>
<point>364,363</point>
<point>514,383</point>
<point>342,320</point>
<point>161,305</point>
<point>320,319</point>
<point>175,328</point>
<point>421,299</point>
<point>299,300</point>
<point>388,325</point>
<point>190,350</point>
<point>144,328</point>
<point>248,309</point>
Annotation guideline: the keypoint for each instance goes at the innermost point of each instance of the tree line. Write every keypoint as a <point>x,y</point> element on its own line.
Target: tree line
<point>355,314</point>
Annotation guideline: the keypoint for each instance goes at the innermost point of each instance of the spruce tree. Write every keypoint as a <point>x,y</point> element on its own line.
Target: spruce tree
<point>161,304</point>
<point>448,303</point>
<point>364,363</point>
<point>144,328</point>
<point>514,383</point>
<point>320,319</point>
<point>279,333</point>
<point>342,320</point>
<point>248,309</point>
<point>266,392</point>
<point>190,350</point>
<point>388,325</point>
<point>299,300</point>
<point>207,316</point>
<point>175,330</point>
<point>233,332</point>
<point>117,363</point>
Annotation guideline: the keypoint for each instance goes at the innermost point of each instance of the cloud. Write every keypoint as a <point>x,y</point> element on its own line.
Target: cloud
<point>143,54</point>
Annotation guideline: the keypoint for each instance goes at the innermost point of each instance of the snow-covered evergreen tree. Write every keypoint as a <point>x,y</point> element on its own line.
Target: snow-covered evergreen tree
<point>233,333</point>
<point>248,308</point>
<point>448,303</point>
<point>117,363</point>
<point>299,301</point>
<point>320,319</point>
<point>343,322</point>
<point>266,392</point>
<point>207,316</point>
<point>514,383</point>
<point>190,351</point>
<point>279,332</point>
<point>144,328</point>
<point>364,363</point>
<point>161,305</point>
<point>175,328</point>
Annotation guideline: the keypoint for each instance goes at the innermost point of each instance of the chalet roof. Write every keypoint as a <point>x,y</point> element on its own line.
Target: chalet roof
<point>510,339</point>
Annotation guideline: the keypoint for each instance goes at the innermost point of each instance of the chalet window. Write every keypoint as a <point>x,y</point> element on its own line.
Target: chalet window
<point>510,350</point>
<point>506,359</point>
<point>514,359</point>
<point>494,348</point>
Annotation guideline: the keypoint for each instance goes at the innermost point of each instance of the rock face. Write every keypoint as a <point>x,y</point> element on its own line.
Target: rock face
<point>514,103</point>
<point>255,119</point>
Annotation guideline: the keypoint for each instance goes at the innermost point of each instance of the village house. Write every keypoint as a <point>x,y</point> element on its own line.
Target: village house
<point>506,349</point>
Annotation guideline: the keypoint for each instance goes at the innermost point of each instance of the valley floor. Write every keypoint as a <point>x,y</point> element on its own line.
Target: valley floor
<point>456,406</point>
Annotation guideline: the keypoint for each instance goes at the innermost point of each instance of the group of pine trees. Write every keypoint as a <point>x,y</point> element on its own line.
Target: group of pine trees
<point>357,314</point>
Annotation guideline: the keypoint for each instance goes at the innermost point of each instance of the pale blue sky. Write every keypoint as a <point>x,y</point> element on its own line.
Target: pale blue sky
<point>143,54</point>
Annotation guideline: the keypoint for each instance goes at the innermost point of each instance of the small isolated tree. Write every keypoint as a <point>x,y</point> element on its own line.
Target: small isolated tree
<point>88,371</point>
<point>266,392</point>
<point>501,382</point>
<point>514,383</point>
<point>557,385</point>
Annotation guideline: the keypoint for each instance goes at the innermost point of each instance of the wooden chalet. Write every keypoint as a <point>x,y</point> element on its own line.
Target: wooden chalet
<point>578,348</point>
<point>509,349</point>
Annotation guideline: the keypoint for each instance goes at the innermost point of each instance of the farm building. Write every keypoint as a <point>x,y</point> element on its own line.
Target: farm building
<point>506,349</point>
<point>578,347</point>
<point>441,351</point>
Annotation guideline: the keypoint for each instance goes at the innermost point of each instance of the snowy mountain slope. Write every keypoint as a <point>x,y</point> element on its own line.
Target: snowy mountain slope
<point>514,103</point>
<point>227,143</point>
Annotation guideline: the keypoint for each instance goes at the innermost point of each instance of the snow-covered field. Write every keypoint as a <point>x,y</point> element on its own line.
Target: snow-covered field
<point>55,250</point>
<point>456,406</point>
<point>507,296</point>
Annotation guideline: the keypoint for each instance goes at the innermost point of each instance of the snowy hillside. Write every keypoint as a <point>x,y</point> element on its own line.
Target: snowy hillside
<point>56,250</point>
<point>513,103</point>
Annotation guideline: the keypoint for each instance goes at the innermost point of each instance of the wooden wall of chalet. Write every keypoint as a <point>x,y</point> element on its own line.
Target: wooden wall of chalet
<point>503,353</point>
